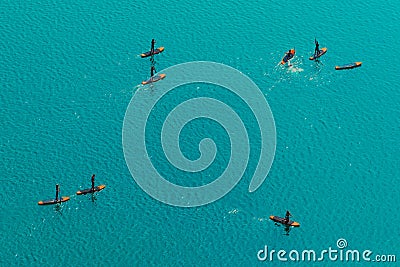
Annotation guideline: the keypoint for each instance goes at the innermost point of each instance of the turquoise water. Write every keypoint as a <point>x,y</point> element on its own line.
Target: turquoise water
<point>68,72</point>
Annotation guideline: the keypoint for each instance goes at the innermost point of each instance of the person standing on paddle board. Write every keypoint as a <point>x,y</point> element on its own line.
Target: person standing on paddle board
<point>287,217</point>
<point>316,51</point>
<point>93,182</point>
<point>152,51</point>
<point>289,57</point>
<point>57,191</point>
<point>152,71</point>
<point>152,46</point>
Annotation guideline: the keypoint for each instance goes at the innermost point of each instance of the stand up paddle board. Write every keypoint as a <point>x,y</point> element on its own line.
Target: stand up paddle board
<point>90,190</point>
<point>156,51</point>
<point>321,52</point>
<point>288,57</point>
<point>282,221</point>
<point>154,79</point>
<point>349,66</point>
<point>53,201</point>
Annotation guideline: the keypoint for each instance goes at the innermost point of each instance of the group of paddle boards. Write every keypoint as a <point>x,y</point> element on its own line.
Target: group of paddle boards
<point>154,77</point>
<point>58,200</point>
<point>290,55</point>
<point>153,51</point>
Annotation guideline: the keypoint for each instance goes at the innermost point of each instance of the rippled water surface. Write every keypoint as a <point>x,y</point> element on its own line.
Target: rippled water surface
<point>68,72</point>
